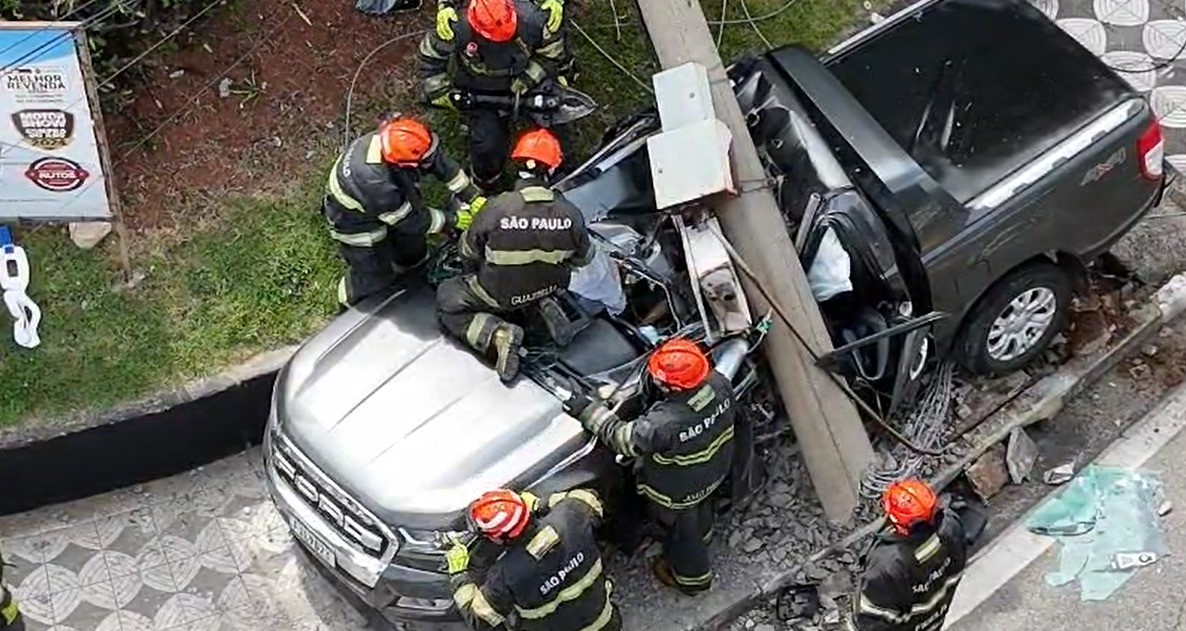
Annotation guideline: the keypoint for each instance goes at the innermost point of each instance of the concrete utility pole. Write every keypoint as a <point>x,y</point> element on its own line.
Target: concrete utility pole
<point>826,424</point>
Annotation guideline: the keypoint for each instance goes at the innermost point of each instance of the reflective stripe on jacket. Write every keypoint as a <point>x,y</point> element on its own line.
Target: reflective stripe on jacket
<point>487,66</point>
<point>366,198</point>
<point>526,242</point>
<point>908,582</point>
<point>684,443</point>
<point>551,579</point>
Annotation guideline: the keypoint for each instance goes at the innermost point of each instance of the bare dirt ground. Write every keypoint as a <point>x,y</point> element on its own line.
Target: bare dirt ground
<point>180,143</point>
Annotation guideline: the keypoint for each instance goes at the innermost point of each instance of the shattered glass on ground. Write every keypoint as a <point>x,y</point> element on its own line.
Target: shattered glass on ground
<point>1102,513</point>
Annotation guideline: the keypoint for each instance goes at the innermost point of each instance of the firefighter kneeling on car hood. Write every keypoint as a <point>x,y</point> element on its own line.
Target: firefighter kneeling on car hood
<point>524,245</point>
<point>684,450</point>
<point>375,210</point>
<point>911,573</point>
<point>550,576</point>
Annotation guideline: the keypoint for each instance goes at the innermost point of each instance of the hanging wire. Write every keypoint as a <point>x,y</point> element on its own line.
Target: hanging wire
<point>611,59</point>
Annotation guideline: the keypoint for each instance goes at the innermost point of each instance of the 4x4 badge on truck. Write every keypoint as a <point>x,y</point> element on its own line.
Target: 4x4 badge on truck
<point>1100,170</point>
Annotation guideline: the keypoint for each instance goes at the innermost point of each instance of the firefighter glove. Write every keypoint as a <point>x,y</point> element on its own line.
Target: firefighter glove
<point>465,216</point>
<point>595,417</point>
<point>522,85</point>
<point>446,17</point>
<point>442,101</point>
<point>531,500</point>
<point>456,557</point>
<point>555,9</point>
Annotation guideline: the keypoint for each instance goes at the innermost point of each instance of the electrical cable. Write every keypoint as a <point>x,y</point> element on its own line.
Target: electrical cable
<point>57,39</point>
<point>46,28</point>
<point>844,387</point>
<point>754,25</point>
<point>724,13</point>
<point>611,59</point>
<point>358,71</point>
<point>107,80</point>
<point>193,100</point>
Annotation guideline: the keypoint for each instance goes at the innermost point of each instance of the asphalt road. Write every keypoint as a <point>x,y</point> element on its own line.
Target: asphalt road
<point>1151,600</point>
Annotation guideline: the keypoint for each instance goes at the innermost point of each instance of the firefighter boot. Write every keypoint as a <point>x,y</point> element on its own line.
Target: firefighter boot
<point>558,324</point>
<point>507,340</point>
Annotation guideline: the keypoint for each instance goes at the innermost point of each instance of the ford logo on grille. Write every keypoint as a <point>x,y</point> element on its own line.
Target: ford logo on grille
<point>328,507</point>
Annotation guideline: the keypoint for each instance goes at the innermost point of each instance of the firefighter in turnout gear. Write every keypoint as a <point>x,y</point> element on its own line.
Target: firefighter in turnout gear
<point>499,48</point>
<point>10,616</point>
<point>683,446</point>
<point>524,247</point>
<point>375,210</point>
<point>550,576</point>
<point>911,573</point>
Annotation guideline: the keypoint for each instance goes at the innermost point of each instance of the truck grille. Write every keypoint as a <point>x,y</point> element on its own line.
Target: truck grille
<point>349,519</point>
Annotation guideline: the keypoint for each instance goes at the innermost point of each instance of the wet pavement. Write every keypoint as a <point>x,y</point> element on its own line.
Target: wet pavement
<point>203,551</point>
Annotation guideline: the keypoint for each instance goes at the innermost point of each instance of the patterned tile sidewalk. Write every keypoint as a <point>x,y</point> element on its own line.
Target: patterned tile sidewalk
<point>1144,41</point>
<point>203,551</point>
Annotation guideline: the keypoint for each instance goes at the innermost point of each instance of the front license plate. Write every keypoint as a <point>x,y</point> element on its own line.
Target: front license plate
<point>315,544</point>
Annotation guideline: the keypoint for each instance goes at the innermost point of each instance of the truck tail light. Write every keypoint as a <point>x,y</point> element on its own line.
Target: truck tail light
<point>1151,150</point>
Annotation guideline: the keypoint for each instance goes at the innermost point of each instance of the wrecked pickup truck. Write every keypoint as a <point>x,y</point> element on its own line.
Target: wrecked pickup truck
<point>964,157</point>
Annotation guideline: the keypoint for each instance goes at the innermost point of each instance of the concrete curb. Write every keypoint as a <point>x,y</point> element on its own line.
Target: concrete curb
<point>1040,401</point>
<point>166,434</point>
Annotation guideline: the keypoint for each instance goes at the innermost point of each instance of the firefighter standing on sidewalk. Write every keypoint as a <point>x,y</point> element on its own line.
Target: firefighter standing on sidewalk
<point>684,449</point>
<point>501,48</point>
<point>911,573</point>
<point>10,615</point>
<point>550,577</point>
<point>375,210</point>
<point>524,246</point>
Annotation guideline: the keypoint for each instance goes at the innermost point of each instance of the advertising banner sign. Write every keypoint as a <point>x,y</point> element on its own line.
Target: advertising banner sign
<point>51,163</point>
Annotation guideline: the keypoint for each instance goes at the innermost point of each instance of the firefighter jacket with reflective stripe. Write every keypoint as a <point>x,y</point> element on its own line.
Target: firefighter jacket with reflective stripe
<point>908,582</point>
<point>525,244</point>
<point>684,444</point>
<point>550,579</point>
<point>485,66</point>
<point>366,198</point>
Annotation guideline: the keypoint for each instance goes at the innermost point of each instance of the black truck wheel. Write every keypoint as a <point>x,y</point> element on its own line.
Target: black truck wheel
<point>1014,322</point>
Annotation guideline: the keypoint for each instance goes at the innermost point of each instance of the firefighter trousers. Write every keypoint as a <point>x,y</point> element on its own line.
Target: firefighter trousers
<point>490,145</point>
<point>467,313</point>
<point>685,545</point>
<point>375,269</point>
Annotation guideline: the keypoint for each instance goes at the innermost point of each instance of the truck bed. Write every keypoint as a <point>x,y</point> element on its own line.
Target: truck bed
<point>975,89</point>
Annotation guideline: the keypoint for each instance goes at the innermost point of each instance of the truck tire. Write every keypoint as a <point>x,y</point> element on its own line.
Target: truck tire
<point>1015,320</point>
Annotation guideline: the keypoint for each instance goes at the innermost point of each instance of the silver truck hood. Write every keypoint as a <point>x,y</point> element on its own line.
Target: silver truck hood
<point>410,423</point>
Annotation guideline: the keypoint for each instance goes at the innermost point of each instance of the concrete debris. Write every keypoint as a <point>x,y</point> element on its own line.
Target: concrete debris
<point>1140,371</point>
<point>1060,474</point>
<point>1165,508</point>
<point>752,545</point>
<point>1021,455</point>
<point>88,234</point>
<point>1149,350</point>
<point>989,474</point>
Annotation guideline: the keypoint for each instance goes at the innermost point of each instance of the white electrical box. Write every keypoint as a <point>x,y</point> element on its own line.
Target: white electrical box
<point>690,163</point>
<point>683,96</point>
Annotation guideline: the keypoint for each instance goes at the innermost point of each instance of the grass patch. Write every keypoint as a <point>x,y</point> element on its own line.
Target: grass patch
<point>265,277</point>
<point>264,274</point>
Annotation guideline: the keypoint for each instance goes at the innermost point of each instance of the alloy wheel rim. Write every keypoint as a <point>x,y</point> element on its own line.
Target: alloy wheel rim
<point>1021,324</point>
